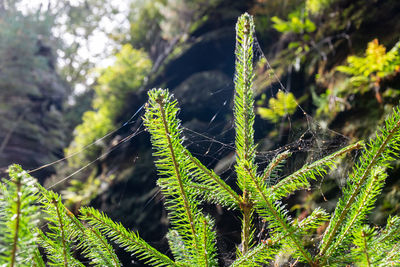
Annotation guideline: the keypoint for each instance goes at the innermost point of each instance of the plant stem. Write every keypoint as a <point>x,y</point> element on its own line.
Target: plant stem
<point>205,243</point>
<point>246,223</point>
<point>62,232</point>
<point>365,248</point>
<point>244,120</point>
<point>17,219</point>
<point>178,175</point>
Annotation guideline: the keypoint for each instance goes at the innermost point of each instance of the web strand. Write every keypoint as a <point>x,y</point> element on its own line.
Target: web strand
<point>100,157</point>
<point>89,145</point>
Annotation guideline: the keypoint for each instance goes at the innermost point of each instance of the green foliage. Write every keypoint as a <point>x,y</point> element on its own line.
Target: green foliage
<point>124,238</point>
<point>58,241</point>
<point>82,192</point>
<point>194,229</point>
<point>317,6</point>
<point>372,246</point>
<point>186,184</point>
<point>283,105</point>
<point>364,183</point>
<point>127,75</point>
<point>329,102</point>
<point>22,202</point>
<point>363,74</point>
<point>377,64</point>
<point>18,218</point>
<point>164,22</point>
<point>298,22</point>
<point>301,29</point>
<point>94,125</point>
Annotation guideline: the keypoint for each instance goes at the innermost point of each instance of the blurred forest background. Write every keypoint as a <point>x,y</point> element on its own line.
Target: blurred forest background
<point>74,76</point>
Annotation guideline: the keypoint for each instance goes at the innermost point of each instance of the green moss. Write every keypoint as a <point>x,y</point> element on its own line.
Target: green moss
<point>116,82</point>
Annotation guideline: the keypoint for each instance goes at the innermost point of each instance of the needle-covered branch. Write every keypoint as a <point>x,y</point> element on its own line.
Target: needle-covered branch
<point>125,238</point>
<point>19,214</point>
<point>172,164</point>
<point>300,179</point>
<point>379,152</point>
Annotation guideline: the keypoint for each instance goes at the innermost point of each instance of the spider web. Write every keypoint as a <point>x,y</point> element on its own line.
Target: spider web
<point>298,133</point>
